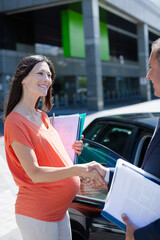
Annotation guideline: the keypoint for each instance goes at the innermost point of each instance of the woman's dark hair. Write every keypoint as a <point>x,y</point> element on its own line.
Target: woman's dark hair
<point>23,69</point>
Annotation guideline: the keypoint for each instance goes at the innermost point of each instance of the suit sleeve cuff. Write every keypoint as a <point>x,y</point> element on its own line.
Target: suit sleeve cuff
<point>106,179</point>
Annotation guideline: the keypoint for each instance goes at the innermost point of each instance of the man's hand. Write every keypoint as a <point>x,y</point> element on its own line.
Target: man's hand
<point>93,174</point>
<point>96,178</point>
<point>78,146</point>
<point>100,169</point>
<point>130,228</point>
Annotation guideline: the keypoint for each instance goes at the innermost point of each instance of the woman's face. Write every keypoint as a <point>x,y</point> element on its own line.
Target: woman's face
<point>38,81</point>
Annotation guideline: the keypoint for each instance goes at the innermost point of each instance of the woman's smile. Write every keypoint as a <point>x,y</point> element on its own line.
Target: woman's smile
<point>44,86</point>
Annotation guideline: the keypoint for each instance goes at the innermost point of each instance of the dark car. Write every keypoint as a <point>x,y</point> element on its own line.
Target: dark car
<point>107,139</point>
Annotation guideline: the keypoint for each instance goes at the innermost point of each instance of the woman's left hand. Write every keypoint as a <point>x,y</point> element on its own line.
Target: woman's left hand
<point>78,146</point>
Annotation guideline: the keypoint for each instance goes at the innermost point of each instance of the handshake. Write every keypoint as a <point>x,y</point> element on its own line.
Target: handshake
<point>93,174</point>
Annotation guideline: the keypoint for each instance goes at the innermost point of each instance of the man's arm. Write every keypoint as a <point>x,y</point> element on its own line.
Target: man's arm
<point>149,232</point>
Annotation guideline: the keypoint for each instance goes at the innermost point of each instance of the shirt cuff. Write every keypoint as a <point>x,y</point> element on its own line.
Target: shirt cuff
<point>106,179</point>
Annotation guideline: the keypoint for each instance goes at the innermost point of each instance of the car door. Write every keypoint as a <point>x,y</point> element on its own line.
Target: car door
<point>114,134</point>
<point>85,211</point>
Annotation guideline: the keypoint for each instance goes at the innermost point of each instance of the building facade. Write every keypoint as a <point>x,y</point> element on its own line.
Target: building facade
<point>100,48</point>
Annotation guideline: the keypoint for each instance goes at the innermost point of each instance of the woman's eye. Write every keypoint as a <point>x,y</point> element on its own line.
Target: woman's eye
<point>49,75</point>
<point>41,73</point>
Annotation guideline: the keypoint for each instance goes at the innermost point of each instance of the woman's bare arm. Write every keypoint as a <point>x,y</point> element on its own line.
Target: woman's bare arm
<point>39,174</point>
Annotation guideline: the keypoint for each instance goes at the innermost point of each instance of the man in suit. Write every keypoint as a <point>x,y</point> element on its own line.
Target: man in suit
<point>151,162</point>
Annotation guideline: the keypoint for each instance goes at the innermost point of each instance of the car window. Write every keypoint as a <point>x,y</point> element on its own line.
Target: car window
<point>116,138</point>
<point>94,130</point>
<point>93,151</point>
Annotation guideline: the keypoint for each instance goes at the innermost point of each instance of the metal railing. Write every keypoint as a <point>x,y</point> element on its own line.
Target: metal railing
<point>62,100</point>
<point>119,95</point>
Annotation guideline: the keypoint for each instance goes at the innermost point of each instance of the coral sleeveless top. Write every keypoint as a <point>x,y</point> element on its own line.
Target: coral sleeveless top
<point>44,201</point>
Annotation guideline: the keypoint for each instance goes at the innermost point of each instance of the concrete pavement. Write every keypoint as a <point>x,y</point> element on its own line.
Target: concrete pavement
<point>8,189</point>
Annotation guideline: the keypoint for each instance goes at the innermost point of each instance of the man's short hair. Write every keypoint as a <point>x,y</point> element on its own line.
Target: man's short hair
<point>156,48</point>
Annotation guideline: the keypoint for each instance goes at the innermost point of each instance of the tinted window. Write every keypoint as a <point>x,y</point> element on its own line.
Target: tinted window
<point>116,138</point>
<point>97,153</point>
<point>94,130</point>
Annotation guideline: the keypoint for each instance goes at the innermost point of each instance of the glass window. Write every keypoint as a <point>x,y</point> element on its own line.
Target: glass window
<point>94,130</point>
<point>97,153</point>
<point>116,138</point>
<point>126,46</point>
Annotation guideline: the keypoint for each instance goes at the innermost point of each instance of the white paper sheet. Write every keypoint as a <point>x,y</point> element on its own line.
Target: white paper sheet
<point>133,194</point>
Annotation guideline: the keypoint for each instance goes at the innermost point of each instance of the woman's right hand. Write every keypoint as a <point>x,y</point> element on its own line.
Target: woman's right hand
<point>96,180</point>
<point>94,176</point>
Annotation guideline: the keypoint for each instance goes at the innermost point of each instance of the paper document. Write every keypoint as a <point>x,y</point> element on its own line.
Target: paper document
<point>70,129</point>
<point>134,192</point>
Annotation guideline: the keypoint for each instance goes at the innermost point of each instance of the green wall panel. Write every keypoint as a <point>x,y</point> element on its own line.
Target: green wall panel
<point>65,33</point>
<point>73,36</point>
<point>104,42</point>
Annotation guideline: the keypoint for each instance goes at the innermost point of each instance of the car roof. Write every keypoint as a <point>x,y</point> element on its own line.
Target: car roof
<point>148,120</point>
